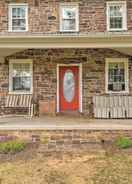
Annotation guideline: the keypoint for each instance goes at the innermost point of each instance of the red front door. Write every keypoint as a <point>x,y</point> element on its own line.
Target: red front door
<point>69,88</point>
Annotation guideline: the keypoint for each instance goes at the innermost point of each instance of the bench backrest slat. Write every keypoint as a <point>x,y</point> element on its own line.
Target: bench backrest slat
<point>117,106</point>
<point>18,100</point>
<point>25,101</point>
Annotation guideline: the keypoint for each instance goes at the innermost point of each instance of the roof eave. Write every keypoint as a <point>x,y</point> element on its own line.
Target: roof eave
<point>67,41</point>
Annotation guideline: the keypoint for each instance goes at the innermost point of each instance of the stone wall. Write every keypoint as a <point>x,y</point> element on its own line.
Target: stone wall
<point>67,140</point>
<point>45,73</point>
<point>44,15</point>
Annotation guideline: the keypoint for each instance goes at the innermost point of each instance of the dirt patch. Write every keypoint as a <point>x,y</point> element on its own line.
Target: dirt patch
<point>33,167</point>
<point>113,166</point>
<point>64,169</point>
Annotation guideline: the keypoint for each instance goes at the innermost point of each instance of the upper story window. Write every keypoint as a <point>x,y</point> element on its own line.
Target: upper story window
<point>20,76</point>
<point>116,75</point>
<point>69,18</point>
<point>18,17</point>
<point>116,16</point>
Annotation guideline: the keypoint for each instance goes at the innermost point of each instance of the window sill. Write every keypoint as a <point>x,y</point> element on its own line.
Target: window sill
<point>69,31</point>
<point>117,30</point>
<point>20,93</point>
<point>17,31</point>
<point>116,93</point>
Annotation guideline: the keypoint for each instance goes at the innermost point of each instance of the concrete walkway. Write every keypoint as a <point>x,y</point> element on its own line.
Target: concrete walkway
<point>57,123</point>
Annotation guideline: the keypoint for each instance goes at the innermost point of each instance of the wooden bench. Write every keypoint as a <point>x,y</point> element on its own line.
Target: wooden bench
<point>20,101</point>
<point>112,106</point>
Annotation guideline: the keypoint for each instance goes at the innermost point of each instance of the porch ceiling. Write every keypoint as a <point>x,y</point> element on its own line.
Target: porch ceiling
<point>127,51</point>
<point>6,52</point>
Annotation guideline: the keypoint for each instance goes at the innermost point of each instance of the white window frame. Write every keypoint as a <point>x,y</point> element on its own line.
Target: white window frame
<point>124,5</point>
<point>21,61</point>
<point>117,60</point>
<point>65,5</point>
<point>17,5</point>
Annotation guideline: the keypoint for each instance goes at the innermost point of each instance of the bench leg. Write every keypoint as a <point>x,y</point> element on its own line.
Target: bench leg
<point>31,111</point>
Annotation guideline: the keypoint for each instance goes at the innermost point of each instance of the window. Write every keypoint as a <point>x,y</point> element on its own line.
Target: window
<point>117,75</point>
<point>20,76</point>
<point>69,18</point>
<point>18,17</point>
<point>116,16</point>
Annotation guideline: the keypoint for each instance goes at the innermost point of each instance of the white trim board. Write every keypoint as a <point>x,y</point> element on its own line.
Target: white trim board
<point>111,41</point>
<point>80,83</point>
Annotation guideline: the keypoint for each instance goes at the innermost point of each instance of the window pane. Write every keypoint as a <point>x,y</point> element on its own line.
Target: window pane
<point>14,12</point>
<point>18,28</point>
<point>69,86</point>
<point>116,16</point>
<point>18,12</point>
<point>116,22</point>
<point>116,77</point>
<point>116,11</point>
<point>18,24</point>
<point>20,69</point>
<point>69,24</point>
<point>19,18</point>
<point>22,12</point>
<point>110,87</point>
<point>21,83</point>
<point>69,13</point>
<point>21,77</point>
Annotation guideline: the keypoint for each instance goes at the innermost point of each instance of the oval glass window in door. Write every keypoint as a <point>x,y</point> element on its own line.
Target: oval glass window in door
<point>69,86</point>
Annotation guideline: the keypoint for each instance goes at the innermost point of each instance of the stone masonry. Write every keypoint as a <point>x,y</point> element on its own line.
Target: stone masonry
<point>67,140</point>
<point>44,15</point>
<point>45,73</point>
<point>44,18</point>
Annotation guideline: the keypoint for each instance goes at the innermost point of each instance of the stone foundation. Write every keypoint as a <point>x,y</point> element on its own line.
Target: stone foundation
<point>67,140</point>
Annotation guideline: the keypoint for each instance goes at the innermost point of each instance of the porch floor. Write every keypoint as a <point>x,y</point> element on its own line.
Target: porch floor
<point>57,123</point>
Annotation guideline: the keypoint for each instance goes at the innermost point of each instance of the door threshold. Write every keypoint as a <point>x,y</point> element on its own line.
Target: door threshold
<point>70,113</point>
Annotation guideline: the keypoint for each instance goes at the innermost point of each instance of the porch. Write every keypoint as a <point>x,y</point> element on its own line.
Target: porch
<point>63,123</point>
<point>41,66</point>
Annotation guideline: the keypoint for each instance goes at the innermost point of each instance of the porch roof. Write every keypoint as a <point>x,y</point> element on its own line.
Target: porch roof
<point>118,41</point>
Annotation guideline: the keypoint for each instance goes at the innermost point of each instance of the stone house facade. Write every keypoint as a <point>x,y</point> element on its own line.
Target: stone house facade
<point>65,53</point>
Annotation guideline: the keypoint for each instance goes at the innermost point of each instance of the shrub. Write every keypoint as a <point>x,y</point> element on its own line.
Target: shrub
<point>124,142</point>
<point>12,146</point>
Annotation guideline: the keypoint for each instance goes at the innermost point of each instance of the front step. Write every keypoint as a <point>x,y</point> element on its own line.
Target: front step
<point>70,114</point>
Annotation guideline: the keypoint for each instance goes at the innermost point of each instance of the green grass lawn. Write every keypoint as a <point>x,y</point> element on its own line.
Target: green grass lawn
<point>68,169</point>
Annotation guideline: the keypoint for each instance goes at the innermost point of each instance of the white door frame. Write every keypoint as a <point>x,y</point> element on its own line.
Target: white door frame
<point>80,83</point>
